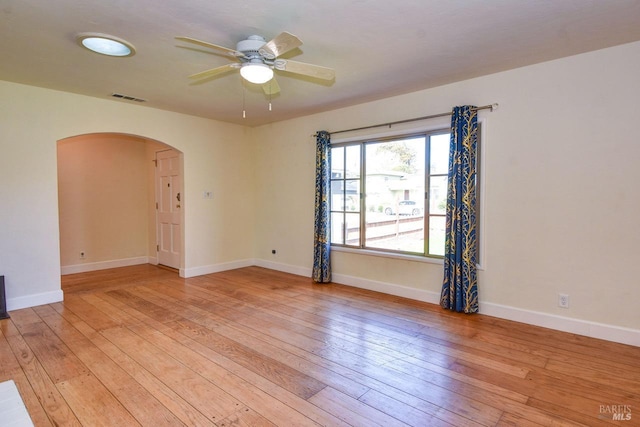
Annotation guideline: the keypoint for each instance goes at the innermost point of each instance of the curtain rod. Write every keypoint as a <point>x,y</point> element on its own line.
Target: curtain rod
<point>491,107</point>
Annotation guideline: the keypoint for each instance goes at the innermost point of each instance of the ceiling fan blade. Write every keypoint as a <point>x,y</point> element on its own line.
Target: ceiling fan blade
<point>214,71</point>
<point>310,70</point>
<point>226,50</point>
<point>280,44</point>
<point>271,87</point>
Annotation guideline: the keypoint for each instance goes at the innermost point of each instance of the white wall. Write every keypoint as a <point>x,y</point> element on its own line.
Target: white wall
<point>217,157</point>
<point>560,197</point>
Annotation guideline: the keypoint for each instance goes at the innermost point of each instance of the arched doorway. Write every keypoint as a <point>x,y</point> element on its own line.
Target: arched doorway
<point>107,201</point>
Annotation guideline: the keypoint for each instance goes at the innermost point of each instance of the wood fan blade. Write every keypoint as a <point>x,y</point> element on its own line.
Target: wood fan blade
<point>214,71</point>
<point>280,44</point>
<point>271,87</point>
<point>226,50</point>
<point>310,70</point>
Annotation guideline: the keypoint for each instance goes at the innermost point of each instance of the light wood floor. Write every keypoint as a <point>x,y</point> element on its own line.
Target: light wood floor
<point>252,347</point>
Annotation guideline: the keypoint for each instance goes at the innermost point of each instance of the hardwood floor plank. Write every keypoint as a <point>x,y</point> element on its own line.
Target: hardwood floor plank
<point>352,411</point>
<point>93,404</point>
<point>140,403</point>
<point>56,358</point>
<point>164,394</point>
<point>204,395</point>
<point>616,376</point>
<point>265,398</point>
<point>254,346</point>
<point>246,418</point>
<point>9,366</point>
<point>406,413</point>
<point>236,333</point>
<point>259,393</point>
<point>49,396</point>
<point>10,369</point>
<point>37,413</point>
<point>274,370</point>
<point>510,420</point>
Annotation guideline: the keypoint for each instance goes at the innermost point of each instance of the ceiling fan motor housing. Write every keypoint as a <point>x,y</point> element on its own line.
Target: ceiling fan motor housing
<point>251,46</point>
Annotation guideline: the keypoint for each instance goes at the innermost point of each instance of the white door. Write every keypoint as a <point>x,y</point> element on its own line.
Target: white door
<point>169,204</point>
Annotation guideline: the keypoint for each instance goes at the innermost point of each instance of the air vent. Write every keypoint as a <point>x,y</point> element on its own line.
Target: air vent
<point>127,97</point>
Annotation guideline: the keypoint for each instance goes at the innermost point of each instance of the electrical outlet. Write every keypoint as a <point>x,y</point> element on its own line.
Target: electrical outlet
<point>563,300</point>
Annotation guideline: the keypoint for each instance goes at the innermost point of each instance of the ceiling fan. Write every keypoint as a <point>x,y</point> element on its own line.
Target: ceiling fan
<point>256,59</point>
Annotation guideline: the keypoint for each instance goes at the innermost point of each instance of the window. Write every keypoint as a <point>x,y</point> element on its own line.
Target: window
<point>390,195</point>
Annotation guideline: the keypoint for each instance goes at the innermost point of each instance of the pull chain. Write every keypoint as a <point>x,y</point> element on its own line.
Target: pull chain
<point>244,111</point>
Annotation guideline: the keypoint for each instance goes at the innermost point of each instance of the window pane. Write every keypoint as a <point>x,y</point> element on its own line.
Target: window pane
<point>395,195</point>
<point>439,153</point>
<point>396,233</point>
<point>337,228</point>
<point>438,195</point>
<point>436,235</point>
<point>352,162</point>
<point>353,229</point>
<point>352,195</point>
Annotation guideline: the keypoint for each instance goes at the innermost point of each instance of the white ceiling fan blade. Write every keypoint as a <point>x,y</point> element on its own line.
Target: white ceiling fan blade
<point>226,50</point>
<point>282,43</point>
<point>271,87</point>
<point>214,71</point>
<point>310,70</point>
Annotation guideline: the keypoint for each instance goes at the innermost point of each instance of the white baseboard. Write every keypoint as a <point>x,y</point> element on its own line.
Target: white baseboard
<point>566,324</point>
<point>587,328</point>
<point>102,265</point>
<point>33,300</point>
<point>388,288</point>
<point>215,268</point>
<point>285,268</point>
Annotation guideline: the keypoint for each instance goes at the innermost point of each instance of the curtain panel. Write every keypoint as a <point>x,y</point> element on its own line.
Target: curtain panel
<point>459,288</point>
<point>321,237</point>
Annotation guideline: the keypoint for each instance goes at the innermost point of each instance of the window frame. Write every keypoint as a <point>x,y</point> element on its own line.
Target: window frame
<point>361,141</point>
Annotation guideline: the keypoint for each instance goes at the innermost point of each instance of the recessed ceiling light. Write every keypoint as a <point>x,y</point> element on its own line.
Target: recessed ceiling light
<point>105,44</point>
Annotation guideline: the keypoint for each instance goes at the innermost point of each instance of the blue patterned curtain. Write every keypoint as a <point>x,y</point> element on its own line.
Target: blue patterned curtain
<point>460,288</point>
<point>321,242</point>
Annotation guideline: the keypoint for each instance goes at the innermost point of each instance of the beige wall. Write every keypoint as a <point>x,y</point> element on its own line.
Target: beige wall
<point>560,203</point>
<point>103,198</point>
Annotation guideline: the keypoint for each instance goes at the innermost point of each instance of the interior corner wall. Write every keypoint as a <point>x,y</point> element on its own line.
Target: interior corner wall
<point>559,193</point>
<point>217,157</point>
<point>103,199</point>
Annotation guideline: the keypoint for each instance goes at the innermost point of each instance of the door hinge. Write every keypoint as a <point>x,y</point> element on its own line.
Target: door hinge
<point>156,205</point>
<point>155,162</point>
<point>157,248</point>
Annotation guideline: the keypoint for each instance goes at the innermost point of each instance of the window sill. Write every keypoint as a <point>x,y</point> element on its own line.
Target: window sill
<point>404,257</point>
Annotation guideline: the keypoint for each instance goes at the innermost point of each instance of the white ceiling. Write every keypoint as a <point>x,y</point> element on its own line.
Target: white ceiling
<point>378,48</point>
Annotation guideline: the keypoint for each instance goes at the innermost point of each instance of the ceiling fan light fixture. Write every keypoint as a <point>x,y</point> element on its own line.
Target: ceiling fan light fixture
<point>105,44</point>
<point>257,73</point>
